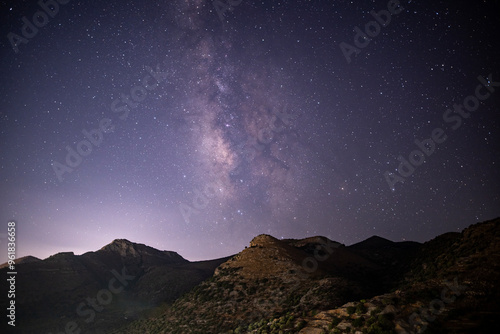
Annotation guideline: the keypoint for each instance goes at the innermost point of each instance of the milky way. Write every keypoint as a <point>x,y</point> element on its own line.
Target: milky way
<point>195,126</point>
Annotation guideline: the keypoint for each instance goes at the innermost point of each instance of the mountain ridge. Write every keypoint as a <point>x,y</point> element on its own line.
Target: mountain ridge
<point>308,285</point>
<point>65,281</point>
<point>441,270</point>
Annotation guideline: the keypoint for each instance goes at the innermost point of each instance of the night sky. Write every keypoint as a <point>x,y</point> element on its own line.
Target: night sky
<point>195,125</point>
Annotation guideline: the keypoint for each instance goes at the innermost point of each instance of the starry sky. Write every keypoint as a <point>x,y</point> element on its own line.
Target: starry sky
<point>195,125</point>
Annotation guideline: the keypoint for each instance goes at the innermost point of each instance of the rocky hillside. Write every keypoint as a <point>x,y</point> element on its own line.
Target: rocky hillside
<point>279,283</point>
<point>312,285</point>
<point>317,286</point>
<point>452,287</point>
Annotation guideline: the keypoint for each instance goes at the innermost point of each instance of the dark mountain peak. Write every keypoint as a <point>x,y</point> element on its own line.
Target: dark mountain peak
<point>316,240</point>
<point>374,241</point>
<point>122,247</point>
<point>122,243</point>
<point>376,238</point>
<point>62,255</point>
<point>24,259</point>
<point>126,248</point>
<point>27,259</point>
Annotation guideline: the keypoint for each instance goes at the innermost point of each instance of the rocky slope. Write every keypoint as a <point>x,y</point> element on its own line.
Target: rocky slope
<point>312,285</point>
<point>315,286</point>
<point>452,287</point>
<point>285,280</point>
